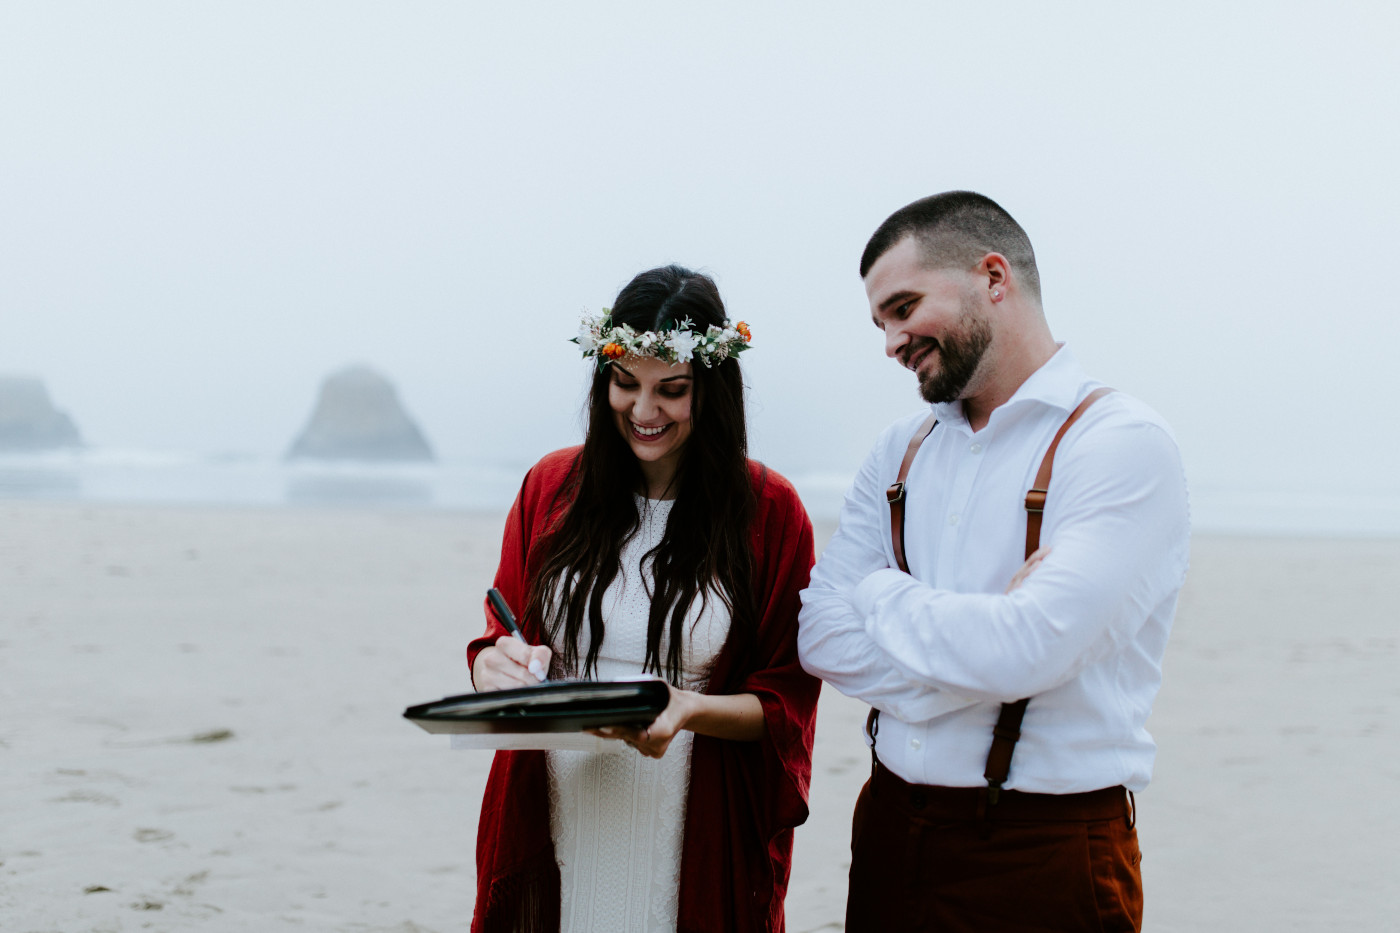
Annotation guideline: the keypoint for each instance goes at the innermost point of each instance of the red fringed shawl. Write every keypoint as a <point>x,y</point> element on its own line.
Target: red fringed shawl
<point>745,798</point>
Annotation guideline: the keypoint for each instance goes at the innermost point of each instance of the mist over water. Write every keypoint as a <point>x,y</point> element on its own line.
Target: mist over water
<point>191,479</point>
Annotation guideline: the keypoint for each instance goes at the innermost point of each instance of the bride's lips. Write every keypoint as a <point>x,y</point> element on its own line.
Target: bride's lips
<point>650,438</point>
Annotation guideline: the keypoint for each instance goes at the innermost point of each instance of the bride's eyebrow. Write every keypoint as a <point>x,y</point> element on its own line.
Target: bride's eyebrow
<point>617,367</point>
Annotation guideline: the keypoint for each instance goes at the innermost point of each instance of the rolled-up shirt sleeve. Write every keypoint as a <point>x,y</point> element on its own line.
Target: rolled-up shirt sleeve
<point>833,640</point>
<point>1117,524</point>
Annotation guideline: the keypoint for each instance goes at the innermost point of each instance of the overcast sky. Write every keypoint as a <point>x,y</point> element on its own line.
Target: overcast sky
<point>207,207</point>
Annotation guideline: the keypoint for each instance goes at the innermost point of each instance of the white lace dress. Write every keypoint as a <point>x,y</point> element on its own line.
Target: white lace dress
<point>617,817</point>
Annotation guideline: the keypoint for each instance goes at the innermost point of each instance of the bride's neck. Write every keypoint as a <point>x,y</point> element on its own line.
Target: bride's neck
<point>658,479</point>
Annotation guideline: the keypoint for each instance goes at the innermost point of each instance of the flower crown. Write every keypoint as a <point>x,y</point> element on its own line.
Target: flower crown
<point>597,337</point>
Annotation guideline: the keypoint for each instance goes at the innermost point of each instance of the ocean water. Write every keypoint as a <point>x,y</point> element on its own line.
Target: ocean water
<point>183,478</point>
<point>187,478</point>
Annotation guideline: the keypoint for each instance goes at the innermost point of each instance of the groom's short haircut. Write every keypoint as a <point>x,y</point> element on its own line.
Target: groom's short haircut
<point>955,230</point>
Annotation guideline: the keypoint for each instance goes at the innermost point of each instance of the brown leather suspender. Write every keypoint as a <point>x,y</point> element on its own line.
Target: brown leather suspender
<point>1008,728</point>
<point>895,494</point>
<point>1035,496</point>
<point>1007,731</point>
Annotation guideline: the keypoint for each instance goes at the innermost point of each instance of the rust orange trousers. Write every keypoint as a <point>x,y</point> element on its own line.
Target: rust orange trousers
<point>923,858</point>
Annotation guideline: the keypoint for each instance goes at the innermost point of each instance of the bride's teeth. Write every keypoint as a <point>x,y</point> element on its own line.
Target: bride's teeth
<point>649,432</point>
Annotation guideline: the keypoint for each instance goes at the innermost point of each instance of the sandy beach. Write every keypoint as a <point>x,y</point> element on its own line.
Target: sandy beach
<point>200,729</point>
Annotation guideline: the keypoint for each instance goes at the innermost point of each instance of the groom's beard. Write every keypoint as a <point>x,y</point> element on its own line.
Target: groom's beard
<point>960,353</point>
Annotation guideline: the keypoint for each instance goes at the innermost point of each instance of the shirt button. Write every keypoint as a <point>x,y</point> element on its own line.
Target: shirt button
<point>915,744</point>
<point>976,448</point>
<point>952,519</point>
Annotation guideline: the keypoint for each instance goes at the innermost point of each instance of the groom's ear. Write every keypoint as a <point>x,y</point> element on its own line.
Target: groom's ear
<point>997,271</point>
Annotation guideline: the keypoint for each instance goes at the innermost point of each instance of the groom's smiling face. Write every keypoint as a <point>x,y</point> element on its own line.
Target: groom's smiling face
<point>932,319</point>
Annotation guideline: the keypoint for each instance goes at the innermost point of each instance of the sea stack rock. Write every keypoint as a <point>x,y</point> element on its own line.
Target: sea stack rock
<point>28,420</point>
<point>359,417</point>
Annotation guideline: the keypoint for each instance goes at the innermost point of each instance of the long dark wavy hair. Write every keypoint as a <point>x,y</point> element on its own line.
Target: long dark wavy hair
<point>706,551</point>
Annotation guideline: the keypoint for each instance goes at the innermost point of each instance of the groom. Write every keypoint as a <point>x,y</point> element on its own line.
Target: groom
<point>962,580</point>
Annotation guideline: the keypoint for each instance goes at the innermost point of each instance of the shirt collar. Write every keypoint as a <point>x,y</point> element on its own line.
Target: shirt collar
<point>1057,383</point>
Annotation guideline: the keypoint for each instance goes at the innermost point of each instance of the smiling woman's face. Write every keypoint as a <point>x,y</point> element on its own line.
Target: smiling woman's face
<point>651,401</point>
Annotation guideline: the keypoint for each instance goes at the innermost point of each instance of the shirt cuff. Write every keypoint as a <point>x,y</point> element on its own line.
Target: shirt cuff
<point>870,589</point>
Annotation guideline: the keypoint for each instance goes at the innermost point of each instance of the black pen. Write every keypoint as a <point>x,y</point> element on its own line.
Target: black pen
<point>498,603</point>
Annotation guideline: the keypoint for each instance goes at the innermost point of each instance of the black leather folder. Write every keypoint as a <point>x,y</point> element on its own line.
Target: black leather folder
<point>553,706</point>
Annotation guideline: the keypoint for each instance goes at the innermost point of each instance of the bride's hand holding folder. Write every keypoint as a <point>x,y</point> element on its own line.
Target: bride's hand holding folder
<point>738,717</point>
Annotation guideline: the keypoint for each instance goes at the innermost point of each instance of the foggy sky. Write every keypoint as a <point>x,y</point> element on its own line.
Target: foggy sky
<point>206,208</point>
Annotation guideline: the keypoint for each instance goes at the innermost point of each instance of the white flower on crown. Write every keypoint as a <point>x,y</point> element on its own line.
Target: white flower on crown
<point>682,343</point>
<point>587,339</point>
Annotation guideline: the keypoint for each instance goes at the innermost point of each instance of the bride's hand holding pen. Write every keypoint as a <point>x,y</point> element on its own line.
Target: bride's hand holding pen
<point>512,662</point>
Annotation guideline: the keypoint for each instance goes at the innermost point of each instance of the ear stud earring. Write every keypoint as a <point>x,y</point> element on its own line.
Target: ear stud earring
<point>995,294</point>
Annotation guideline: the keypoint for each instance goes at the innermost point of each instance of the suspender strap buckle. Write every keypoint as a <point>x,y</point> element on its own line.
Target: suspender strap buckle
<point>895,493</point>
<point>1035,500</point>
<point>1006,734</point>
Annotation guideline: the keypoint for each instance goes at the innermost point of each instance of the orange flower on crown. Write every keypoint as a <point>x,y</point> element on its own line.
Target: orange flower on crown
<point>744,332</point>
<point>613,352</point>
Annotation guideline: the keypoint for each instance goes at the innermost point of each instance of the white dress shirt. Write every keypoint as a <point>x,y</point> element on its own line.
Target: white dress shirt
<point>940,650</point>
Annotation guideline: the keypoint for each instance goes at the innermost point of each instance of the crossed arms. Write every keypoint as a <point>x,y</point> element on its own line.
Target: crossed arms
<point>1116,527</point>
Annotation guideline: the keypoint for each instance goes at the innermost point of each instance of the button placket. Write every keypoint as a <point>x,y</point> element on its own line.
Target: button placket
<point>966,467</point>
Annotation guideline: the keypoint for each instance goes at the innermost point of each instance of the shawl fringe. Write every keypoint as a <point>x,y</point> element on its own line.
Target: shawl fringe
<point>525,901</point>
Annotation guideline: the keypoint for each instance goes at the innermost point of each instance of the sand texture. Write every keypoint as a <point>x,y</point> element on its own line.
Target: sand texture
<point>200,729</point>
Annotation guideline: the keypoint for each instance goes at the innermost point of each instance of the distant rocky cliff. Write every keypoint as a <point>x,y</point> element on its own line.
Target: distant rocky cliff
<point>28,420</point>
<point>358,416</point>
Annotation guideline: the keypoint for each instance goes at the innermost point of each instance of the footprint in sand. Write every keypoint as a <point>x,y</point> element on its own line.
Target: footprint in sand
<point>88,796</point>
<point>256,789</point>
<point>186,887</point>
<point>64,776</point>
<point>152,835</point>
<point>199,738</point>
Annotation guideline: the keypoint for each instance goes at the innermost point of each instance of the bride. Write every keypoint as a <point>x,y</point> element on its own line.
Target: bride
<point>657,546</point>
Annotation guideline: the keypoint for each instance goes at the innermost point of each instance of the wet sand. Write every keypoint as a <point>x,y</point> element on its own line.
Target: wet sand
<point>200,731</point>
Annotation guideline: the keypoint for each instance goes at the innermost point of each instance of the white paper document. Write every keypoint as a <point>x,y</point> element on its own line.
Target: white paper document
<point>551,741</point>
